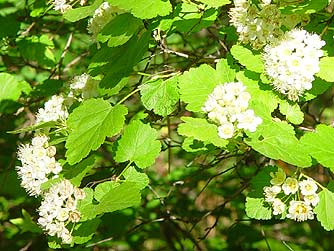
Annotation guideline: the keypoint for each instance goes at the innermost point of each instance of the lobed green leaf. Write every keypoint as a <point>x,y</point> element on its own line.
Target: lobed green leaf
<point>326,69</point>
<point>277,140</point>
<point>144,9</point>
<point>76,14</point>
<point>247,58</point>
<point>138,144</point>
<point>196,85</point>
<point>89,125</point>
<point>324,209</point>
<point>125,195</point>
<point>215,3</point>
<point>202,130</point>
<point>320,145</point>
<point>160,96</point>
<point>119,30</point>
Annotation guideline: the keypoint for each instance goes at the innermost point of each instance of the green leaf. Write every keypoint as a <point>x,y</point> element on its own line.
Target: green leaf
<point>84,231</point>
<point>324,209</point>
<point>189,18</point>
<point>76,173</point>
<point>261,180</point>
<point>263,100</point>
<point>224,72</point>
<point>291,111</point>
<point>319,86</point>
<point>247,58</point>
<point>320,145</point>
<point>160,96</point>
<point>276,140</point>
<point>119,30</point>
<point>76,14</point>
<point>10,87</point>
<point>140,179</point>
<point>304,7</point>
<point>48,88</point>
<point>117,62</point>
<point>192,145</point>
<point>26,224</point>
<point>9,26</point>
<point>86,207</point>
<point>326,69</point>
<point>50,182</point>
<point>139,144</point>
<point>144,9</point>
<point>215,3</point>
<point>125,195</point>
<point>103,188</point>
<point>38,49</point>
<point>196,85</point>
<point>202,130</point>
<point>34,127</point>
<point>256,209</point>
<point>90,124</point>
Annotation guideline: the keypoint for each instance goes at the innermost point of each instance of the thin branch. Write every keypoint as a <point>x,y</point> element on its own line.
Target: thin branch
<point>60,62</point>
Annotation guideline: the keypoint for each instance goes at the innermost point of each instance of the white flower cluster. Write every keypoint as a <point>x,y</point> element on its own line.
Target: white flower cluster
<point>58,208</point>
<point>227,106</point>
<point>54,109</point>
<point>84,86</point>
<point>38,163</point>
<point>301,195</point>
<point>292,61</point>
<point>101,17</point>
<point>64,5</point>
<point>256,25</point>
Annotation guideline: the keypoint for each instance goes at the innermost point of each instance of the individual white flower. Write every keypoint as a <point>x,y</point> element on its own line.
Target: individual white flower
<point>278,177</point>
<point>256,25</point>
<point>40,140</point>
<point>54,109</point>
<point>292,61</point>
<point>79,194</point>
<point>312,199</point>
<point>300,211</point>
<point>290,186</point>
<point>61,5</point>
<point>248,121</point>
<point>226,131</point>
<point>278,206</point>
<point>308,187</point>
<point>62,214</point>
<point>74,216</point>
<point>102,16</point>
<point>58,208</point>
<point>270,193</point>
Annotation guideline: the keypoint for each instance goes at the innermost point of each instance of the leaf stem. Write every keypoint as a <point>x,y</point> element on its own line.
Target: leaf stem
<point>126,168</point>
<point>127,96</point>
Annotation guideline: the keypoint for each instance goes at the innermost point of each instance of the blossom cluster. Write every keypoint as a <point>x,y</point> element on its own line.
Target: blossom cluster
<point>256,25</point>
<point>64,5</point>
<point>38,164</point>
<point>58,208</point>
<point>227,106</point>
<point>300,194</point>
<point>292,61</point>
<point>101,17</point>
<point>83,87</point>
<point>54,109</point>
